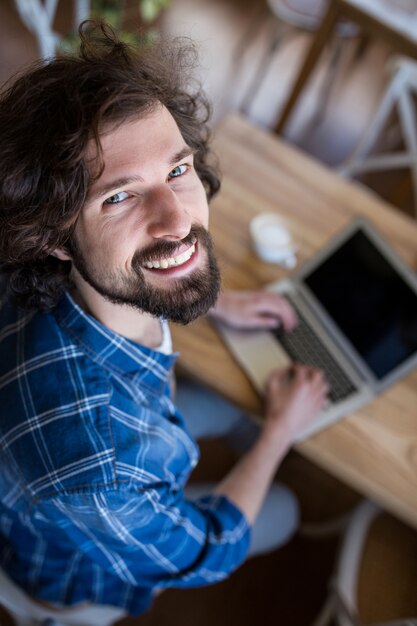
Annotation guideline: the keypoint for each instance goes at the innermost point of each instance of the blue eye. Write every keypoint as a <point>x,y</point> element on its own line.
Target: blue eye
<point>117,198</point>
<point>178,171</point>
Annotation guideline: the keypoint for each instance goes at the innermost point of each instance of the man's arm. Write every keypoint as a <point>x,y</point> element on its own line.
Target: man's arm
<point>293,398</point>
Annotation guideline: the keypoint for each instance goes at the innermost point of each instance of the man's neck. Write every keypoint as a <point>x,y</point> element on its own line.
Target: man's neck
<point>133,324</point>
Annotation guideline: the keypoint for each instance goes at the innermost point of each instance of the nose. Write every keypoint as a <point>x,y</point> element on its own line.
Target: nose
<point>168,218</point>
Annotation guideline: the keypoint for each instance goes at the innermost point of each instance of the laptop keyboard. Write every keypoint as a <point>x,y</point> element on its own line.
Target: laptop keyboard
<point>303,345</point>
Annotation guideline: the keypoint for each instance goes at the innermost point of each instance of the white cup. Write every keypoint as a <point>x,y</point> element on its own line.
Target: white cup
<point>272,241</point>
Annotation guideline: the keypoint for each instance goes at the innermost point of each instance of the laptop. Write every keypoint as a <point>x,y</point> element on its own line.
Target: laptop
<point>356,303</point>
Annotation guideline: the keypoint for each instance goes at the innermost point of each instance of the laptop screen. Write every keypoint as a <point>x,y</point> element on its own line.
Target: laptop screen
<point>370,301</point>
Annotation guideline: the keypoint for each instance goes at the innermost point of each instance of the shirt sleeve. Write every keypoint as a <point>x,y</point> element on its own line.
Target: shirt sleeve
<point>153,537</point>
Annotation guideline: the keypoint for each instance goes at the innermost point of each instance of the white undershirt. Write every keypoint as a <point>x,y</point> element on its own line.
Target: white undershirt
<point>166,345</point>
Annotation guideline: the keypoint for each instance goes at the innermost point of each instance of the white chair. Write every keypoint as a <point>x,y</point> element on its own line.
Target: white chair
<point>27,612</point>
<point>39,16</point>
<point>304,15</point>
<point>341,607</point>
<point>399,97</point>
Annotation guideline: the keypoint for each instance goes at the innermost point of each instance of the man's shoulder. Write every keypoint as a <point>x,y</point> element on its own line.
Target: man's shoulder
<point>40,361</point>
<point>27,334</point>
<point>54,406</point>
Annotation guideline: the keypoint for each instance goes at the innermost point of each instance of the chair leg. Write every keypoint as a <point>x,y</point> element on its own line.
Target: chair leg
<point>336,53</point>
<point>249,34</point>
<point>363,44</point>
<point>350,556</point>
<point>326,88</point>
<point>240,50</point>
<point>327,612</point>
<point>260,73</point>
<point>262,69</point>
<point>371,135</point>
<point>408,122</point>
<point>318,530</point>
<point>339,605</point>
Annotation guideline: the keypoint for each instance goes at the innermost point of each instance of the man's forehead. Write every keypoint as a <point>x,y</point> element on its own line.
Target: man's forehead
<point>154,128</point>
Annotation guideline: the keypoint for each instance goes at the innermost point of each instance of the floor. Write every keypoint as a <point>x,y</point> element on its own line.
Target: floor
<point>289,585</point>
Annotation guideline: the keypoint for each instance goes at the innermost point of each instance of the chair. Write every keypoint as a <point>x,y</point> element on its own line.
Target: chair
<point>399,97</point>
<point>26,612</point>
<point>304,15</point>
<point>39,17</point>
<point>359,555</point>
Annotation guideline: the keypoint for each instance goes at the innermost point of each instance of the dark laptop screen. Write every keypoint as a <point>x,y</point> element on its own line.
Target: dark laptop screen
<point>370,302</point>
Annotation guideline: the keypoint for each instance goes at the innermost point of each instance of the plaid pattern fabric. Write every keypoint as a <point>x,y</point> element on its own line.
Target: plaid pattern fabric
<point>94,458</point>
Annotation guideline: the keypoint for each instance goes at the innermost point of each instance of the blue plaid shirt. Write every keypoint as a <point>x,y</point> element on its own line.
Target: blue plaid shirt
<point>94,458</point>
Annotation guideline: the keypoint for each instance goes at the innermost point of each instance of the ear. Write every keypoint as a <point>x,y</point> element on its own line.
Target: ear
<point>61,254</point>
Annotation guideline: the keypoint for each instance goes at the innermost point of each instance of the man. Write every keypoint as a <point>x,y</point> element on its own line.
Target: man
<point>105,176</point>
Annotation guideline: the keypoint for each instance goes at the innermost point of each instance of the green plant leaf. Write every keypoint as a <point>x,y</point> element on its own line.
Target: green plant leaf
<point>149,9</point>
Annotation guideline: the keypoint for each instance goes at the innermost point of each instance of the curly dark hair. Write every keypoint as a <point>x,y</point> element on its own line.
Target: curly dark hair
<point>48,115</point>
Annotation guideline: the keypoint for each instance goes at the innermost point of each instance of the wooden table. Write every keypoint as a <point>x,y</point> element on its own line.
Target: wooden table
<point>374,450</point>
<point>375,17</point>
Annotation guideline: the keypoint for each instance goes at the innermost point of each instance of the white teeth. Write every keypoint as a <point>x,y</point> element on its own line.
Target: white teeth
<point>172,261</point>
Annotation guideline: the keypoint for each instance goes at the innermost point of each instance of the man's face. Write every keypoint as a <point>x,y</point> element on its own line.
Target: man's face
<point>142,237</point>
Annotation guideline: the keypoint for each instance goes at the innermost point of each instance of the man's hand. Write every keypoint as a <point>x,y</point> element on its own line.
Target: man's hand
<point>254,309</point>
<point>293,398</point>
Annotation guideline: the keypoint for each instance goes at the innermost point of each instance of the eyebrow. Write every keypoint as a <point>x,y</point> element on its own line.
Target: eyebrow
<point>127,180</point>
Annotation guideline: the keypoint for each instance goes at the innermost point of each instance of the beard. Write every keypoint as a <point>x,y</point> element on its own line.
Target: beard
<point>183,301</point>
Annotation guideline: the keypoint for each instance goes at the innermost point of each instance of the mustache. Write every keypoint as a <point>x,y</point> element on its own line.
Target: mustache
<point>168,248</point>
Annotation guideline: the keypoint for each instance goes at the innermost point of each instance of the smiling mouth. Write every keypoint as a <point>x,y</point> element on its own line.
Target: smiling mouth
<point>172,261</point>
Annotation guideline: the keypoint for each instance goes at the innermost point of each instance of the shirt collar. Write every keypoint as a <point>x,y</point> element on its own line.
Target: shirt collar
<point>108,348</point>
